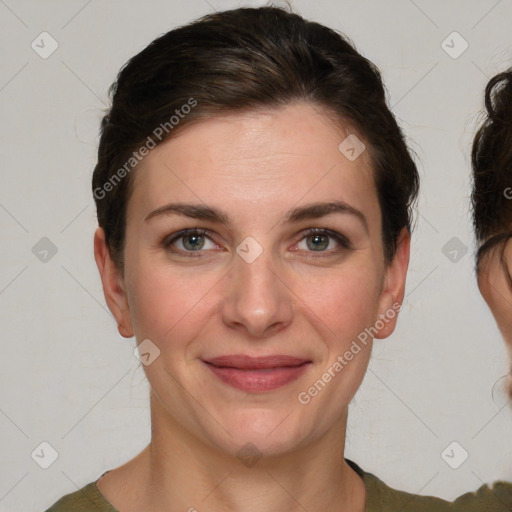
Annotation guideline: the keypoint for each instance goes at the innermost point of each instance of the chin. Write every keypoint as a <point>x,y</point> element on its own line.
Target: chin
<point>261,432</point>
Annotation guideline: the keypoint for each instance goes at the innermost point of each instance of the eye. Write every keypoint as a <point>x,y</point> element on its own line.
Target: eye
<point>197,240</point>
<point>323,240</point>
<point>189,241</point>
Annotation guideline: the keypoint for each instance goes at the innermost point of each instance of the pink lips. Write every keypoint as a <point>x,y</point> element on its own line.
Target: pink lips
<point>257,374</point>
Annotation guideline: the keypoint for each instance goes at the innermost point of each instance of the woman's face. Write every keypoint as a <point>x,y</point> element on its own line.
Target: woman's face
<point>255,283</point>
<point>497,292</point>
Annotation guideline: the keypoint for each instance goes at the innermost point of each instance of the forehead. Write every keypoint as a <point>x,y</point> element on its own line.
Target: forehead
<point>256,160</point>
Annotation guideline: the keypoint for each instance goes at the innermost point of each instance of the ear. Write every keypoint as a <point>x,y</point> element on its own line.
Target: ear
<point>114,288</point>
<point>393,290</point>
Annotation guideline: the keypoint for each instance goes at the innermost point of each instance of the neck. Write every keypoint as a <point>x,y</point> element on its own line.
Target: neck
<point>183,473</point>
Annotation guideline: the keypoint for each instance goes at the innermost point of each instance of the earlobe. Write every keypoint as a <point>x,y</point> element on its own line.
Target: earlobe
<point>113,285</point>
<point>393,290</point>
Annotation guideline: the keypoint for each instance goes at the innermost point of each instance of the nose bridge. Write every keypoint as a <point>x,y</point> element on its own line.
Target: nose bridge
<point>257,299</point>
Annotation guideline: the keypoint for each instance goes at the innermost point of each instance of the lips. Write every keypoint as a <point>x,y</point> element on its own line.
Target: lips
<point>257,374</point>
<point>244,362</point>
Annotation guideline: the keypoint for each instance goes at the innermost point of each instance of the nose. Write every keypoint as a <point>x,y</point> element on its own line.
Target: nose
<point>258,301</point>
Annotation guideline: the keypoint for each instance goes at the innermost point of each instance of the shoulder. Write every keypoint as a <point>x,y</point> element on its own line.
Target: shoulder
<point>382,498</point>
<point>86,499</point>
<point>494,498</point>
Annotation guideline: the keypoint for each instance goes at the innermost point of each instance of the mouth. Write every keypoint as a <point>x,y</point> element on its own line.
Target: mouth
<point>257,374</point>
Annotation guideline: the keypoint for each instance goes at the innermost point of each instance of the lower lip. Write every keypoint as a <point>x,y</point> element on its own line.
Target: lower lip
<point>258,380</point>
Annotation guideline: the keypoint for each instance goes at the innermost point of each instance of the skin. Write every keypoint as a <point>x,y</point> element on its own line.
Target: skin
<point>496,290</point>
<point>291,300</point>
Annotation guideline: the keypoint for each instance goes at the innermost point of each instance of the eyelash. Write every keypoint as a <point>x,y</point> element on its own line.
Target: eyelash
<point>338,237</point>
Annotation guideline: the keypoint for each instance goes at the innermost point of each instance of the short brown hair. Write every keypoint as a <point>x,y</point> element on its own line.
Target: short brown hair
<point>491,159</point>
<point>244,59</point>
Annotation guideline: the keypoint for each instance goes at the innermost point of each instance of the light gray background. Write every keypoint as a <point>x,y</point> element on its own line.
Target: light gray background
<point>68,378</point>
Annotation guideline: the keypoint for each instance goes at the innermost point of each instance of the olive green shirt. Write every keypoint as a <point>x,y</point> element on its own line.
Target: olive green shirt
<point>379,498</point>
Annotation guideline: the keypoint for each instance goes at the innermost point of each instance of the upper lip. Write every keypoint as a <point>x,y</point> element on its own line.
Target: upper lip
<point>245,362</point>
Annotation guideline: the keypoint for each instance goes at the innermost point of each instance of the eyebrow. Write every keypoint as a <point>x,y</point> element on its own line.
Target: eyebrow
<point>310,211</point>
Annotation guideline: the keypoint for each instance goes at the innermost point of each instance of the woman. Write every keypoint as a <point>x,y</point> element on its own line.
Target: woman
<point>254,198</point>
<point>492,206</point>
<point>491,159</point>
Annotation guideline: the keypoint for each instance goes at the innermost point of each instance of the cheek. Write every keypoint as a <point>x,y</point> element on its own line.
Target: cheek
<point>344,301</point>
<point>339,307</point>
<point>498,296</point>
<point>167,304</point>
